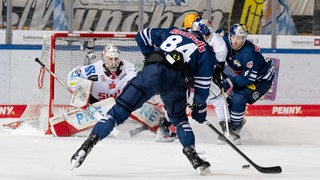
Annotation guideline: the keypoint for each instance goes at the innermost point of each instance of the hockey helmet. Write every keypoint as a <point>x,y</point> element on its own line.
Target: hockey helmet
<point>203,26</point>
<point>238,35</point>
<point>110,56</point>
<point>188,20</point>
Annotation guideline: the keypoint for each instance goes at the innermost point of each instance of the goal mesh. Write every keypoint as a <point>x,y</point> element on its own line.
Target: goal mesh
<point>61,52</point>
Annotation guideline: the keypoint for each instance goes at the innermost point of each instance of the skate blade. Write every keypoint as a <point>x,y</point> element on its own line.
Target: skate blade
<point>204,171</point>
<point>75,163</point>
<point>201,152</point>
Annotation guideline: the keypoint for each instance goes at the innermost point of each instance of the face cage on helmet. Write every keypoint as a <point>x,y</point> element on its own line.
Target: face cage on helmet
<point>110,56</point>
<point>112,64</point>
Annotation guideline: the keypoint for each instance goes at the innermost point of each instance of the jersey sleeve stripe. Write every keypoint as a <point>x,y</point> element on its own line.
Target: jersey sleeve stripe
<point>202,82</point>
<point>146,36</point>
<point>201,87</point>
<point>269,74</point>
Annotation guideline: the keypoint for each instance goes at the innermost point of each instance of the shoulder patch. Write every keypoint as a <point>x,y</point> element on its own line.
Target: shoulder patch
<point>249,64</point>
<point>90,70</point>
<point>237,63</point>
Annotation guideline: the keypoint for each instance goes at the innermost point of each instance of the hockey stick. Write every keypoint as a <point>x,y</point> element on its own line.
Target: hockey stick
<point>269,170</point>
<point>90,109</point>
<point>138,130</point>
<point>225,109</point>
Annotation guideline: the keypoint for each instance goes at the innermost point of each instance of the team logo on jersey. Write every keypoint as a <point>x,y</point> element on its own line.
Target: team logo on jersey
<point>112,86</point>
<point>90,70</point>
<point>236,62</point>
<point>255,95</point>
<point>249,64</point>
<point>103,79</point>
<point>75,73</point>
<point>103,95</point>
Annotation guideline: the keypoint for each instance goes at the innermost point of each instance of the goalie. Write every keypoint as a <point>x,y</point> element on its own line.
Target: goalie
<point>109,77</point>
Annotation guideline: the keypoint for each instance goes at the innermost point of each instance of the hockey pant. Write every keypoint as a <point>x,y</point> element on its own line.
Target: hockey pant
<point>248,94</point>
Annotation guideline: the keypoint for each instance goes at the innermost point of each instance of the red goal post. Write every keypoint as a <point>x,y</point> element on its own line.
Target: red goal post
<point>61,52</point>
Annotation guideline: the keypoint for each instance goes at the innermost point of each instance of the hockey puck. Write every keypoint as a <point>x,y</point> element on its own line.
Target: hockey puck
<point>245,166</point>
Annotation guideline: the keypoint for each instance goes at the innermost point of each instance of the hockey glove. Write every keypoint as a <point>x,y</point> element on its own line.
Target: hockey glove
<point>199,113</point>
<point>217,77</point>
<point>226,84</point>
<point>219,67</point>
<point>190,82</point>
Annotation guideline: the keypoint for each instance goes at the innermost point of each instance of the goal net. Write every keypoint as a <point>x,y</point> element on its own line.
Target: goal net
<point>61,52</point>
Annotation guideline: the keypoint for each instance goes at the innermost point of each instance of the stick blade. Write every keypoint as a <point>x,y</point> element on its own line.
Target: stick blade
<point>269,170</point>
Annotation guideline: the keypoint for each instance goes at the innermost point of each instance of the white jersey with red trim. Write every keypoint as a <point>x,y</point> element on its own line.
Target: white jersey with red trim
<point>104,86</point>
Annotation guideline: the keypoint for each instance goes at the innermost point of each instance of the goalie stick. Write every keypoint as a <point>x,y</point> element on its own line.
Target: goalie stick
<point>268,170</point>
<point>138,130</point>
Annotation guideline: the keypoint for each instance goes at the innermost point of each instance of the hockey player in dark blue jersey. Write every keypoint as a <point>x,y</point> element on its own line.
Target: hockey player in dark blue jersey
<point>172,56</point>
<point>254,75</point>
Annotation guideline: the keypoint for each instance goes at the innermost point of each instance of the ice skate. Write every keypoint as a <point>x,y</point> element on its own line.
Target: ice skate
<point>233,136</point>
<point>164,133</point>
<point>197,163</point>
<point>81,154</point>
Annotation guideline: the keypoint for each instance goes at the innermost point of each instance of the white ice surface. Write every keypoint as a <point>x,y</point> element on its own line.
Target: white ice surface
<point>290,142</point>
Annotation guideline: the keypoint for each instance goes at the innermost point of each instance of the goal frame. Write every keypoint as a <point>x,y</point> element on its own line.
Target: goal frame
<point>74,35</point>
<point>51,64</point>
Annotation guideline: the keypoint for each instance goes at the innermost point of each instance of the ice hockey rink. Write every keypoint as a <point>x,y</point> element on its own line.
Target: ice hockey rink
<point>290,142</point>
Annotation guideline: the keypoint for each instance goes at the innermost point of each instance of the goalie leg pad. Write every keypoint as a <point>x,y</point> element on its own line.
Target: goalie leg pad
<point>149,115</point>
<point>71,123</point>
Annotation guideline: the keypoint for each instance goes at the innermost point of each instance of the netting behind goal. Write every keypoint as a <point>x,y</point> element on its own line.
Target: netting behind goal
<point>61,52</point>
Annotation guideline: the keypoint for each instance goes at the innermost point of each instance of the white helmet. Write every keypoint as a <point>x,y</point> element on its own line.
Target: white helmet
<point>110,56</point>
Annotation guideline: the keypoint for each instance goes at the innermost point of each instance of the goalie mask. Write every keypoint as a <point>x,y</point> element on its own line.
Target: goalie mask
<point>110,56</point>
<point>202,26</point>
<point>238,36</point>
